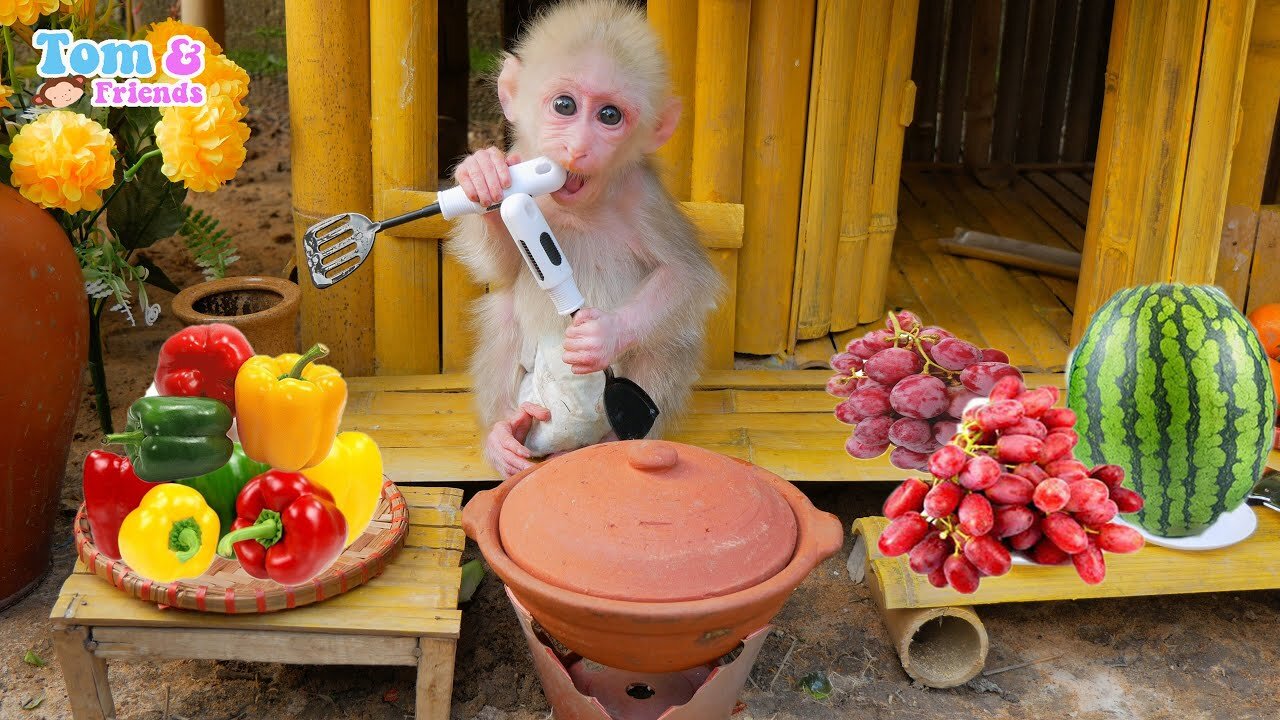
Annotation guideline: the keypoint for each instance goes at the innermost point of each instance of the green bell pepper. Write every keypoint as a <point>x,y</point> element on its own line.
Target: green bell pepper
<point>220,487</point>
<point>170,438</point>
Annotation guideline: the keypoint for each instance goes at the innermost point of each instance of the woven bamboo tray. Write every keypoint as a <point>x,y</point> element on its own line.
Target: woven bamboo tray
<point>226,588</point>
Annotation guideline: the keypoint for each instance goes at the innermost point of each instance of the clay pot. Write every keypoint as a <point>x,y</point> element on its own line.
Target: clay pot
<point>647,555</point>
<point>46,322</point>
<point>265,309</point>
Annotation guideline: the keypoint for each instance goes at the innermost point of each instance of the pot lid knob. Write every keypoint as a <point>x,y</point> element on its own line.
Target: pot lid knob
<point>645,455</point>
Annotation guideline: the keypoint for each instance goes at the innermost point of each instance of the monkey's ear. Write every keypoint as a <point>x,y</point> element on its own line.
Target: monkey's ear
<point>507,86</point>
<point>667,121</point>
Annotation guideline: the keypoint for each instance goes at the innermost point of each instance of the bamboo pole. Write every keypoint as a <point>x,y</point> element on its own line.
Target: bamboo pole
<point>780,56</point>
<point>825,155</point>
<point>980,103</point>
<point>672,20</point>
<point>898,96</point>
<point>955,84</point>
<point>862,118</point>
<point>457,292</point>
<point>403,95</point>
<point>329,110</point>
<point>718,134</point>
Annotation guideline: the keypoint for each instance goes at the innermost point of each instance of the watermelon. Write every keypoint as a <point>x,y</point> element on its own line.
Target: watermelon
<point>1171,382</point>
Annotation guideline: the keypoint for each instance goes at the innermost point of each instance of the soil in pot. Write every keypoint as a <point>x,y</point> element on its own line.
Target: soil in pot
<point>238,302</point>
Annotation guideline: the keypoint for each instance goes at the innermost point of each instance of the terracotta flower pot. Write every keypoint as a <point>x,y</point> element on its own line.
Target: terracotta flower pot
<point>265,309</point>
<point>650,556</point>
<point>46,320</point>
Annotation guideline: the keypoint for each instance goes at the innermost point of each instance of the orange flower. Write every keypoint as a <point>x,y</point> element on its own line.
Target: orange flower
<point>25,11</point>
<point>159,34</point>
<point>202,146</point>
<point>63,160</point>
<point>5,92</point>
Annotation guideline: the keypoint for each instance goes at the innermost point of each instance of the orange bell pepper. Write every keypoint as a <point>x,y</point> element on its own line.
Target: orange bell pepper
<point>288,408</point>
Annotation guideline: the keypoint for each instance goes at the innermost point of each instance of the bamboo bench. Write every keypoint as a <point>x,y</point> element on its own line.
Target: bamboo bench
<point>406,616</point>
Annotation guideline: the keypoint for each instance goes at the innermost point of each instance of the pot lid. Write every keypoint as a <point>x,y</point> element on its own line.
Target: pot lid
<point>648,521</point>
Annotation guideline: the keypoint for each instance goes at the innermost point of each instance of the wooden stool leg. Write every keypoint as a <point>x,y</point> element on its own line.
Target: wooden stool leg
<point>84,674</point>
<point>435,678</point>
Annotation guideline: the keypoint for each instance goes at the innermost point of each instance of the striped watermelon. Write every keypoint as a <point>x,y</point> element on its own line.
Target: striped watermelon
<point>1171,382</point>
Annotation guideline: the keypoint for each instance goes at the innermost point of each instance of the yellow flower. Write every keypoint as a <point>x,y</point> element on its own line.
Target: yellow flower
<point>62,160</point>
<point>5,92</point>
<point>221,76</point>
<point>202,146</point>
<point>159,34</point>
<point>25,11</point>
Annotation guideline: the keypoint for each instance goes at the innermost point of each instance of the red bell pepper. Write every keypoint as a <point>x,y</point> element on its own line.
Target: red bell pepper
<point>111,491</point>
<point>202,361</point>
<point>287,528</point>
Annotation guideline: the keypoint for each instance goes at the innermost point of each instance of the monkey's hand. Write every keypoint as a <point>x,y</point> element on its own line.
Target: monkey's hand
<point>484,175</point>
<point>504,448</point>
<point>593,340</point>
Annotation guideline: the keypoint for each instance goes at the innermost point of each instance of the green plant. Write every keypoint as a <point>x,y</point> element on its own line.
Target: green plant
<point>208,243</point>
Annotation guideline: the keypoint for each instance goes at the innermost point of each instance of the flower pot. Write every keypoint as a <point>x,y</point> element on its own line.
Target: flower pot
<point>47,322</point>
<point>265,309</point>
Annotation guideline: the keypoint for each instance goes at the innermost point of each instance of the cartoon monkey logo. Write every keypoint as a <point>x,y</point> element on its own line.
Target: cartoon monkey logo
<point>61,92</point>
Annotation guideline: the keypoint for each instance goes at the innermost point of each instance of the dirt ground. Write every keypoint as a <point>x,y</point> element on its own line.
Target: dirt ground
<point>1195,656</point>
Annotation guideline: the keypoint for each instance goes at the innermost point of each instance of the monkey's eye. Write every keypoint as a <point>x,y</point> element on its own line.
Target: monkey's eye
<point>609,115</point>
<point>564,105</point>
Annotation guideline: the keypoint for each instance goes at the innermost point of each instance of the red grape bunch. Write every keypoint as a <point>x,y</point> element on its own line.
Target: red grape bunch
<point>1009,482</point>
<point>906,386</point>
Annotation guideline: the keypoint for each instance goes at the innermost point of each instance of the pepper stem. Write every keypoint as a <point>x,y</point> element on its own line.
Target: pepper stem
<point>133,437</point>
<point>267,530</point>
<point>316,352</point>
<point>184,539</point>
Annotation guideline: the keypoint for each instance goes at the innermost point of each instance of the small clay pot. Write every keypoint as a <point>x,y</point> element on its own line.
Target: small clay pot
<point>265,309</point>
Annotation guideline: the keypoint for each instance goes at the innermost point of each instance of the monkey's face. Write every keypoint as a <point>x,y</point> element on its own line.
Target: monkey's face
<point>63,94</point>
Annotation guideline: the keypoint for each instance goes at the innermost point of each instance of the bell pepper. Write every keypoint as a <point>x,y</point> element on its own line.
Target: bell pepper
<point>288,408</point>
<point>202,361</point>
<point>111,491</point>
<point>171,535</point>
<point>220,487</point>
<point>352,472</point>
<point>288,528</point>
<point>170,438</point>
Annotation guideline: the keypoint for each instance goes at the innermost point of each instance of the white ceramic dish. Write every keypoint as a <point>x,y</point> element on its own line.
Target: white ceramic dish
<point>1233,527</point>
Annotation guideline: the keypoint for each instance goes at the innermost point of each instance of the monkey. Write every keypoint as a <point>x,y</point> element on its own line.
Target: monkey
<point>60,92</point>
<point>587,85</point>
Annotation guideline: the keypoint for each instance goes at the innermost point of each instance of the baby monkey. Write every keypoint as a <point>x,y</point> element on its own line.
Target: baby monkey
<point>587,86</point>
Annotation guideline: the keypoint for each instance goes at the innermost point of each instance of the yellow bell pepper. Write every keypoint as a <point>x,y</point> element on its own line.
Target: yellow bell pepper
<point>288,408</point>
<point>353,473</point>
<point>171,535</point>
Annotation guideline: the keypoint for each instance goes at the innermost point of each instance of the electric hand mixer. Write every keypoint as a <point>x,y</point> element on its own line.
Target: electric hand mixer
<point>630,410</point>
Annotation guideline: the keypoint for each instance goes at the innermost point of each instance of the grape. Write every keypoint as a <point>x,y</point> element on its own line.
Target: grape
<point>907,497</point>
<point>861,349</point>
<point>874,431</point>
<point>955,354</point>
<point>912,434</point>
<point>938,578</point>
<point>878,340</point>
<point>980,473</point>
<point>1011,490</point>
<point>840,385</point>
<point>982,376</point>
<point>1089,564</point>
<point>931,336</point>
<point>1056,444</point>
<point>862,451</point>
<point>1068,433</point>
<point>942,499</point>
<point>845,414</point>
<point>902,533</point>
<point>959,398</point>
<point>998,415</point>
<point>1010,521</point>
<point>1098,514</point>
<point>1028,426</point>
<point>1112,475</point>
<point>976,516</point>
<point>1058,417</point>
<point>947,463</point>
<point>1032,472</point>
<point>929,554</point>
<point>845,362</point>
<point>1007,388</point>
<point>988,555</point>
<point>1027,539</point>
<point>868,402</point>
<point>944,430</point>
<point>994,355</point>
<point>1018,448</point>
<point>1086,492</point>
<point>1067,468</point>
<point>1038,400</point>
<point>1119,538</point>
<point>908,459</point>
<point>961,574</point>
<point>1064,532</point>
<point>1127,500</point>
<point>1045,552</point>
<point>1052,495</point>
<point>887,367</point>
<point>907,320</point>
<point>919,396</point>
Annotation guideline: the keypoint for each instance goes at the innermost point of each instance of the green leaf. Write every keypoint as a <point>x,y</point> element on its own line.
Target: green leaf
<point>31,658</point>
<point>135,126</point>
<point>147,209</point>
<point>156,276</point>
<point>472,574</point>
<point>33,703</point>
<point>208,243</point>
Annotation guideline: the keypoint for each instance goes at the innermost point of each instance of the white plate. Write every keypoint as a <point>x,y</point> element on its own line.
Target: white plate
<point>1229,529</point>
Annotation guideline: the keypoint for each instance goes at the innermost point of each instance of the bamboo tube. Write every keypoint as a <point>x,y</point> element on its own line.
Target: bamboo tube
<point>329,110</point>
<point>825,154</point>
<point>863,115</point>
<point>457,292</point>
<point>208,14</point>
<point>673,22</point>
<point>898,97</point>
<point>403,96</point>
<point>720,96</point>
<point>781,50</point>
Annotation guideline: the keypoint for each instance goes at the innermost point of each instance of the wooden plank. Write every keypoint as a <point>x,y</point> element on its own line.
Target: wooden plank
<point>1264,278</point>
<point>980,101</point>
<point>955,84</point>
<point>671,20</point>
<point>780,57</point>
<point>720,224</point>
<point>926,72</point>
<point>1087,65</point>
<point>1014,253</point>
<point>253,646</point>
<point>457,292</point>
<point>720,324</point>
<point>433,691</point>
<point>1035,78</point>
<point>1056,88</point>
<point>1032,198</point>
<point>1013,55</point>
<point>814,353</point>
<point>1259,100</point>
<point>1076,184</point>
<point>1074,206</point>
<point>85,676</point>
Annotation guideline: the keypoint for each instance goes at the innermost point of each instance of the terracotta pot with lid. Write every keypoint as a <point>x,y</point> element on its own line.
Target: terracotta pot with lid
<point>650,556</point>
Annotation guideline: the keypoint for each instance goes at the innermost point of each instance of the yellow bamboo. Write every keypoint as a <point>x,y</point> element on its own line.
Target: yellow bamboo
<point>720,97</point>
<point>403,97</point>
<point>457,292</point>
<point>825,143</point>
<point>781,50</point>
<point>674,21</point>
<point>897,103</point>
<point>1264,279</point>
<point>862,116</point>
<point>329,109</point>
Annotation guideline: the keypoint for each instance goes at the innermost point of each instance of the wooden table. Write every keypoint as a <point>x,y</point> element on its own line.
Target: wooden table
<point>406,616</point>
